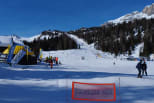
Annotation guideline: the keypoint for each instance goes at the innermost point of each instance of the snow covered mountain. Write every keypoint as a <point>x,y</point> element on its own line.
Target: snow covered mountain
<point>147,13</point>
<point>149,9</point>
<point>44,35</point>
<point>30,39</point>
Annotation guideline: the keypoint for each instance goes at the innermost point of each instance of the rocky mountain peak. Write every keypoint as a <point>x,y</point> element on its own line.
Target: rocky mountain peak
<point>149,10</point>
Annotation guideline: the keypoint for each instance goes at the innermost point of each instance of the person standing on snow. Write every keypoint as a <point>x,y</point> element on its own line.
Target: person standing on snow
<point>144,68</point>
<point>56,60</point>
<point>139,68</point>
<point>51,63</point>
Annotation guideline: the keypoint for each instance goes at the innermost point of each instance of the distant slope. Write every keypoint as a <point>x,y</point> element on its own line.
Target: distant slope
<point>80,42</point>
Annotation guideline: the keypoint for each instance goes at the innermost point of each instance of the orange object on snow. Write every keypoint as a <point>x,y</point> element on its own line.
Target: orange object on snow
<point>56,60</point>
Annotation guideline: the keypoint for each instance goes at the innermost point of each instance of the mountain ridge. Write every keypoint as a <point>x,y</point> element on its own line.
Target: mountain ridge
<point>149,10</point>
<point>147,13</point>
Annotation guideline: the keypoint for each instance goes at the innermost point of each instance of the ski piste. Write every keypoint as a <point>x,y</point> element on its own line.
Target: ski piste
<point>27,81</point>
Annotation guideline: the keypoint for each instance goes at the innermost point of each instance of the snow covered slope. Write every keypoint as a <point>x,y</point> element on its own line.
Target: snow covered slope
<point>30,39</point>
<point>45,34</point>
<point>137,50</point>
<point>39,83</point>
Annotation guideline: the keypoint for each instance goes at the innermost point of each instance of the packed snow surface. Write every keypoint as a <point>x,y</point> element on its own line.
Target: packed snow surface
<point>41,84</point>
<point>138,49</point>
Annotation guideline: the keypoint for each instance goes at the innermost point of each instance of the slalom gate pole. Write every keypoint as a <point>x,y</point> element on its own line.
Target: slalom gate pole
<point>67,92</point>
<point>27,54</point>
<point>119,92</point>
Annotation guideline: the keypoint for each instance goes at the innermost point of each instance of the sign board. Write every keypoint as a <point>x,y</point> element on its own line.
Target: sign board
<point>93,91</point>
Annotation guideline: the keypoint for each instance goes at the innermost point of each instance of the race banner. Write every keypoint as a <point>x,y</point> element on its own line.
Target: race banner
<point>10,55</point>
<point>93,91</point>
<point>18,57</point>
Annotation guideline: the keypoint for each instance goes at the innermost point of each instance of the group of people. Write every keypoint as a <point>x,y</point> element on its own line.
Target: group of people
<point>51,60</point>
<point>142,68</point>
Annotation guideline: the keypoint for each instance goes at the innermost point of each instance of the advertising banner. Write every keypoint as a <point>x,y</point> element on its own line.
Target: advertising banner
<point>93,91</point>
<point>10,55</point>
<point>18,57</point>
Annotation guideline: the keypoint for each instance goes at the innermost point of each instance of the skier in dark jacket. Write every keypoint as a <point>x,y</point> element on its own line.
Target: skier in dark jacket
<point>144,68</point>
<point>139,68</point>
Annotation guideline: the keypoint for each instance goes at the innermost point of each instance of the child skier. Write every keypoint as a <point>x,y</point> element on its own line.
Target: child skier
<point>144,68</point>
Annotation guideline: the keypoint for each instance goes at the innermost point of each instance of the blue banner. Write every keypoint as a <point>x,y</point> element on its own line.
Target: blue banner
<point>10,55</point>
<point>18,57</point>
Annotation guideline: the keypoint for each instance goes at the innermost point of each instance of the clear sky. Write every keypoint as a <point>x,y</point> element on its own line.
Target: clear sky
<point>30,17</point>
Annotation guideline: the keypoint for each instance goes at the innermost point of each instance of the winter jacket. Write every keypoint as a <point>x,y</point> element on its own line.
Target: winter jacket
<point>56,58</point>
<point>144,66</point>
<point>139,65</point>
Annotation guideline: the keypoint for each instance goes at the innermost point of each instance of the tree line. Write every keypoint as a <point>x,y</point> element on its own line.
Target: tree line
<point>51,40</point>
<point>114,38</point>
<point>121,38</point>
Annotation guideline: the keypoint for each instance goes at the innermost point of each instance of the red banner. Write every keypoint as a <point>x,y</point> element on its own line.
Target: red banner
<point>93,91</point>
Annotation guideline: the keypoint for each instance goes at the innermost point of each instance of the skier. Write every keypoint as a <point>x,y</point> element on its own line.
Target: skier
<point>56,60</point>
<point>139,67</point>
<point>60,62</point>
<point>51,63</point>
<point>144,68</point>
<point>51,57</point>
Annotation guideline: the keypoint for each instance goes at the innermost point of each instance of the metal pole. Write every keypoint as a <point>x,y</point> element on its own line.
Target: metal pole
<point>67,94</point>
<point>119,92</point>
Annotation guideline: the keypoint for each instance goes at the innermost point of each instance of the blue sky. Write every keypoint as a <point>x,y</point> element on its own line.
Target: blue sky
<point>30,17</point>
